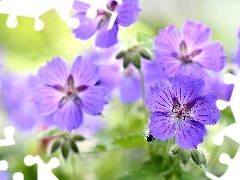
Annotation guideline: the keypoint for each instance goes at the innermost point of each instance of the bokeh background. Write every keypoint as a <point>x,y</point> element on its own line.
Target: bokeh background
<point>118,149</point>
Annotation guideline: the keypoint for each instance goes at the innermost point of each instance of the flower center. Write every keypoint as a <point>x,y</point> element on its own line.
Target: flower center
<point>180,111</point>
<point>70,91</point>
<point>186,57</point>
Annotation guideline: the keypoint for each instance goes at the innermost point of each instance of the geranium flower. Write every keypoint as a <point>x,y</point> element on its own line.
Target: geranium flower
<point>190,52</point>
<point>127,14</point>
<point>181,109</point>
<point>64,93</point>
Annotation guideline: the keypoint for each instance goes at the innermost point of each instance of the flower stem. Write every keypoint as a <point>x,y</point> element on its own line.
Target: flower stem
<point>74,175</point>
<point>142,87</point>
<point>166,157</point>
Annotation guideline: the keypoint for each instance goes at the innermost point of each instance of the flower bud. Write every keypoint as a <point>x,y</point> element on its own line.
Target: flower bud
<point>199,157</point>
<point>184,156</point>
<point>145,54</point>
<point>175,150</point>
<point>136,60</point>
<point>121,54</point>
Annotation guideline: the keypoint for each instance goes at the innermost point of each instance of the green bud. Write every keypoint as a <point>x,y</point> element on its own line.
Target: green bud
<point>65,150</point>
<point>127,60</point>
<point>55,146</point>
<point>204,159</point>
<point>184,157</point>
<point>175,150</point>
<point>121,54</point>
<point>196,157</point>
<point>136,60</point>
<point>145,54</point>
<point>74,147</point>
<point>78,137</point>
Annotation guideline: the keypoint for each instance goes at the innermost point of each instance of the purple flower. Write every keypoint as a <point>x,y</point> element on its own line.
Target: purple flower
<point>189,53</point>
<point>181,109</point>
<point>127,14</point>
<point>64,93</point>
<point>21,112</point>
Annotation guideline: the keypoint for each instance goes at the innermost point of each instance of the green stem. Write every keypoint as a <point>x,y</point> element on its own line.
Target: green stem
<point>166,157</point>
<point>74,176</point>
<point>142,87</point>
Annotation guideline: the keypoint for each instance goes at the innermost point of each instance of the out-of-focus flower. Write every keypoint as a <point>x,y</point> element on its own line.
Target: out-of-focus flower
<point>189,53</point>
<point>4,175</point>
<point>16,97</point>
<point>181,109</point>
<point>127,14</point>
<point>64,93</point>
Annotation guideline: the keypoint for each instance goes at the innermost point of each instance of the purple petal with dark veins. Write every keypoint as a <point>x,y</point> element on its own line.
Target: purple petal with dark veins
<point>69,116</point>
<point>55,72</point>
<point>107,38</point>
<point>160,97</point>
<point>93,99</point>
<point>195,34</point>
<point>204,109</point>
<point>161,126</point>
<point>189,133</point>
<point>186,88</point>
<point>46,99</point>
<point>212,57</point>
<point>128,12</point>
<point>84,72</point>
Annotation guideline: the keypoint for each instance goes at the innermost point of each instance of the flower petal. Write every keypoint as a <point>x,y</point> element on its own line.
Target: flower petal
<point>87,26</point>
<point>160,97</point>
<point>212,57</point>
<point>46,99</point>
<point>84,72</point>
<point>93,99</point>
<point>55,72</point>
<point>128,12</point>
<point>205,110</point>
<point>189,133</point>
<point>196,35</point>
<point>107,38</point>
<point>161,126</point>
<point>167,43</point>
<point>130,89</point>
<point>69,116</point>
<point>186,88</point>
<point>80,6</point>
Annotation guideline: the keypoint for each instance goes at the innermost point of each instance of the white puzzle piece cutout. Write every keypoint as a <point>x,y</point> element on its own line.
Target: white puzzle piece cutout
<point>44,171</point>
<point>231,131</point>
<point>36,8</point>
<point>8,132</point>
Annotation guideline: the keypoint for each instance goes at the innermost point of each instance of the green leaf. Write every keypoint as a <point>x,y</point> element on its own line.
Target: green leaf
<point>65,150</point>
<point>49,133</point>
<point>74,147</point>
<point>136,60</point>
<point>78,137</point>
<point>127,60</point>
<point>55,146</point>
<point>145,53</point>
<point>121,54</point>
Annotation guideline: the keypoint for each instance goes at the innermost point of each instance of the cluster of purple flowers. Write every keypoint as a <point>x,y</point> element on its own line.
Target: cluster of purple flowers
<point>181,105</point>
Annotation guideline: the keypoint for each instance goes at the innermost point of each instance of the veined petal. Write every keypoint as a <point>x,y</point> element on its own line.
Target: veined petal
<point>160,97</point>
<point>212,57</point>
<point>186,88</point>
<point>84,72</point>
<point>171,66</point>
<point>46,99</point>
<point>167,43</point>
<point>55,72</point>
<point>107,38</point>
<point>128,12</point>
<point>130,89</point>
<point>205,110</point>
<point>87,26</point>
<point>189,133</point>
<point>69,116</point>
<point>93,99</point>
<point>196,35</point>
<point>161,126</point>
